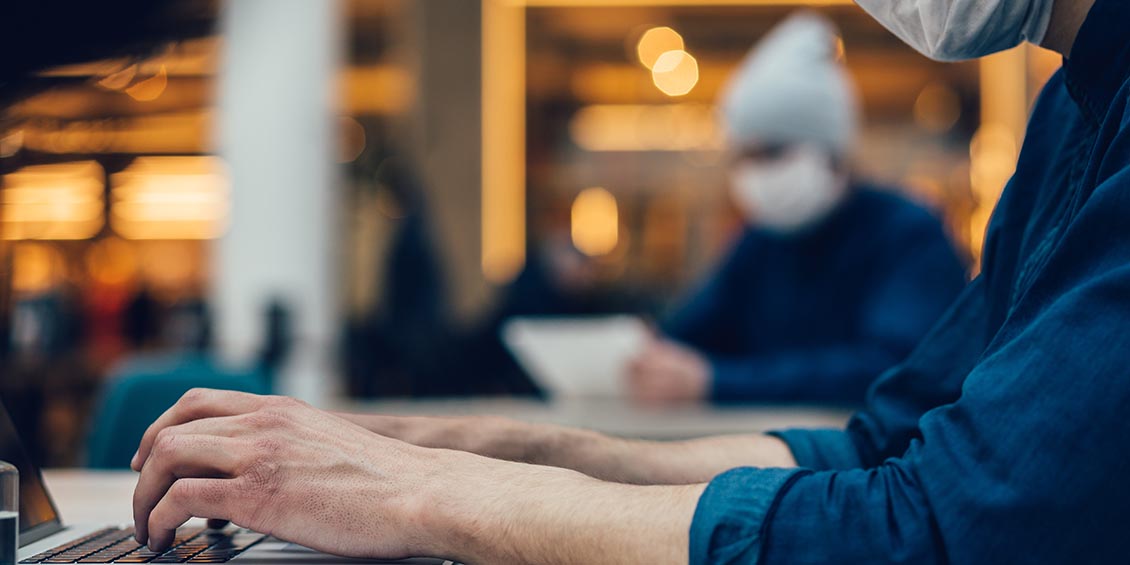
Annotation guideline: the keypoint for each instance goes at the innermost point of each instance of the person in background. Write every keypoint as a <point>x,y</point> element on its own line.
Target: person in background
<point>392,351</point>
<point>557,281</point>
<point>833,281</point>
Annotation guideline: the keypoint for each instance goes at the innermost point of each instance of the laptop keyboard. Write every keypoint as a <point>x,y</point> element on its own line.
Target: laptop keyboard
<point>116,545</point>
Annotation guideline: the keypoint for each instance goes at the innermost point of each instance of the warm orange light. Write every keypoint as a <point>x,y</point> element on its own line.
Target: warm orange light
<point>503,214</point>
<point>992,161</point>
<point>655,42</point>
<point>937,108</point>
<point>111,262</point>
<point>654,3</point>
<point>170,198</point>
<point>11,143</point>
<point>181,132</point>
<point>36,267</point>
<point>841,49</point>
<point>595,222</point>
<point>150,88</point>
<point>675,73</point>
<point>119,79</point>
<point>62,201</point>
<point>357,85</point>
<point>993,151</point>
<point>352,141</point>
<point>637,127</point>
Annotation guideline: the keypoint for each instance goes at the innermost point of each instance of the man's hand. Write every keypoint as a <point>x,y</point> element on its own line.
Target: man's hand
<point>668,373</point>
<point>283,468</point>
<point>280,467</point>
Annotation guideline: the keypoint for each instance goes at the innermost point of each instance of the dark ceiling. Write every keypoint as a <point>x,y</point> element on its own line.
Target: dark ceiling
<point>40,34</point>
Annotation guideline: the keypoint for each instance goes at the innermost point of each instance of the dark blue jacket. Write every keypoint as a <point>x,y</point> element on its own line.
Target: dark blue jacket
<point>818,315</point>
<point>1005,437</point>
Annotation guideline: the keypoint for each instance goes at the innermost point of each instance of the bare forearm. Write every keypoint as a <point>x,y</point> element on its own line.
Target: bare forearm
<point>532,514</point>
<point>678,462</point>
<point>591,453</point>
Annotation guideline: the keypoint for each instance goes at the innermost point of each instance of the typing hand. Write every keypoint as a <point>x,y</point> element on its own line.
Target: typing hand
<point>667,373</point>
<point>283,468</point>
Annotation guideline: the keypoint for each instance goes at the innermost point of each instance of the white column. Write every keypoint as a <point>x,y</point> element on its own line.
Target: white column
<point>276,133</point>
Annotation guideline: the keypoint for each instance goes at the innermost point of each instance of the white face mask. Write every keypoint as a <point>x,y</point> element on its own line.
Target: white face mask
<point>952,30</point>
<point>789,193</point>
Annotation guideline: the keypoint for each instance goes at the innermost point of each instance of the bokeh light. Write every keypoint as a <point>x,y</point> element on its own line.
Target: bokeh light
<point>655,42</point>
<point>352,140</point>
<point>937,108</point>
<point>61,201</point>
<point>642,127</point>
<point>595,223</point>
<point>111,262</point>
<point>150,88</point>
<point>992,162</point>
<point>170,198</point>
<point>675,73</point>
<point>36,267</point>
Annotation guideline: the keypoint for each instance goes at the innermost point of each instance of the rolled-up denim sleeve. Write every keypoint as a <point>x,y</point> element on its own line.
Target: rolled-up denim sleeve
<point>730,518</point>
<point>821,449</point>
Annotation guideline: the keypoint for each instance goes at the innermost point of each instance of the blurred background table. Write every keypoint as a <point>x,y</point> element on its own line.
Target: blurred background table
<point>618,417</point>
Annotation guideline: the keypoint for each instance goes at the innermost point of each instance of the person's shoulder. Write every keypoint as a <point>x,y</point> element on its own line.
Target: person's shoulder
<point>891,201</point>
<point>748,240</point>
<point>893,214</point>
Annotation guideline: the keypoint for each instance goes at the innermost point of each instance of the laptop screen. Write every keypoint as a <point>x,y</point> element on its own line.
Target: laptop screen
<point>37,512</point>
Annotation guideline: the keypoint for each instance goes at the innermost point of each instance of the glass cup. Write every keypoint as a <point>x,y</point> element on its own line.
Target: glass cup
<point>9,513</point>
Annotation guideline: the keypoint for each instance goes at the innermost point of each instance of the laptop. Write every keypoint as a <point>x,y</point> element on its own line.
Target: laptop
<point>45,539</point>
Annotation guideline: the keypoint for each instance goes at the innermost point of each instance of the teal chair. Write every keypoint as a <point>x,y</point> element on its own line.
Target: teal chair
<point>141,389</point>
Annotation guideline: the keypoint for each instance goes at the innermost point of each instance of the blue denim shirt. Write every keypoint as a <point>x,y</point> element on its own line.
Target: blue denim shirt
<point>818,315</point>
<point>1005,436</point>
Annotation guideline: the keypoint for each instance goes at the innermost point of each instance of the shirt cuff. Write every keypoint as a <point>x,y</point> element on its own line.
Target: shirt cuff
<point>729,521</point>
<point>821,449</point>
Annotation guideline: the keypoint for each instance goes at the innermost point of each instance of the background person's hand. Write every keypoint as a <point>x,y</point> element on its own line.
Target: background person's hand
<point>666,372</point>
<point>281,467</point>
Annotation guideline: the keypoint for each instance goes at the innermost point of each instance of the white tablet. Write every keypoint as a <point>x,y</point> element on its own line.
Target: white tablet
<point>577,357</point>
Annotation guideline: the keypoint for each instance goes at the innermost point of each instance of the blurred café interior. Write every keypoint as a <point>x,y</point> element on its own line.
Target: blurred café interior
<point>347,198</point>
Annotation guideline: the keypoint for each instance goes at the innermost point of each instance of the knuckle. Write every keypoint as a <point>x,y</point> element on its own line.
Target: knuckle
<point>194,396</point>
<point>261,477</point>
<point>166,443</point>
<point>182,492</point>
<point>267,446</point>
<point>264,419</point>
<point>284,402</point>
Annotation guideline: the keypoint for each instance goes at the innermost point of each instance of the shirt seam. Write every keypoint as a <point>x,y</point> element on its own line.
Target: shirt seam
<point>771,512</point>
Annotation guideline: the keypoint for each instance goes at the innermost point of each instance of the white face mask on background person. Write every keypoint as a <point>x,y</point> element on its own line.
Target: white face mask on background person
<point>953,30</point>
<point>791,192</point>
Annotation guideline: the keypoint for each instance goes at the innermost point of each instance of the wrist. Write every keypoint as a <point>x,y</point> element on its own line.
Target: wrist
<point>467,510</point>
<point>490,511</point>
